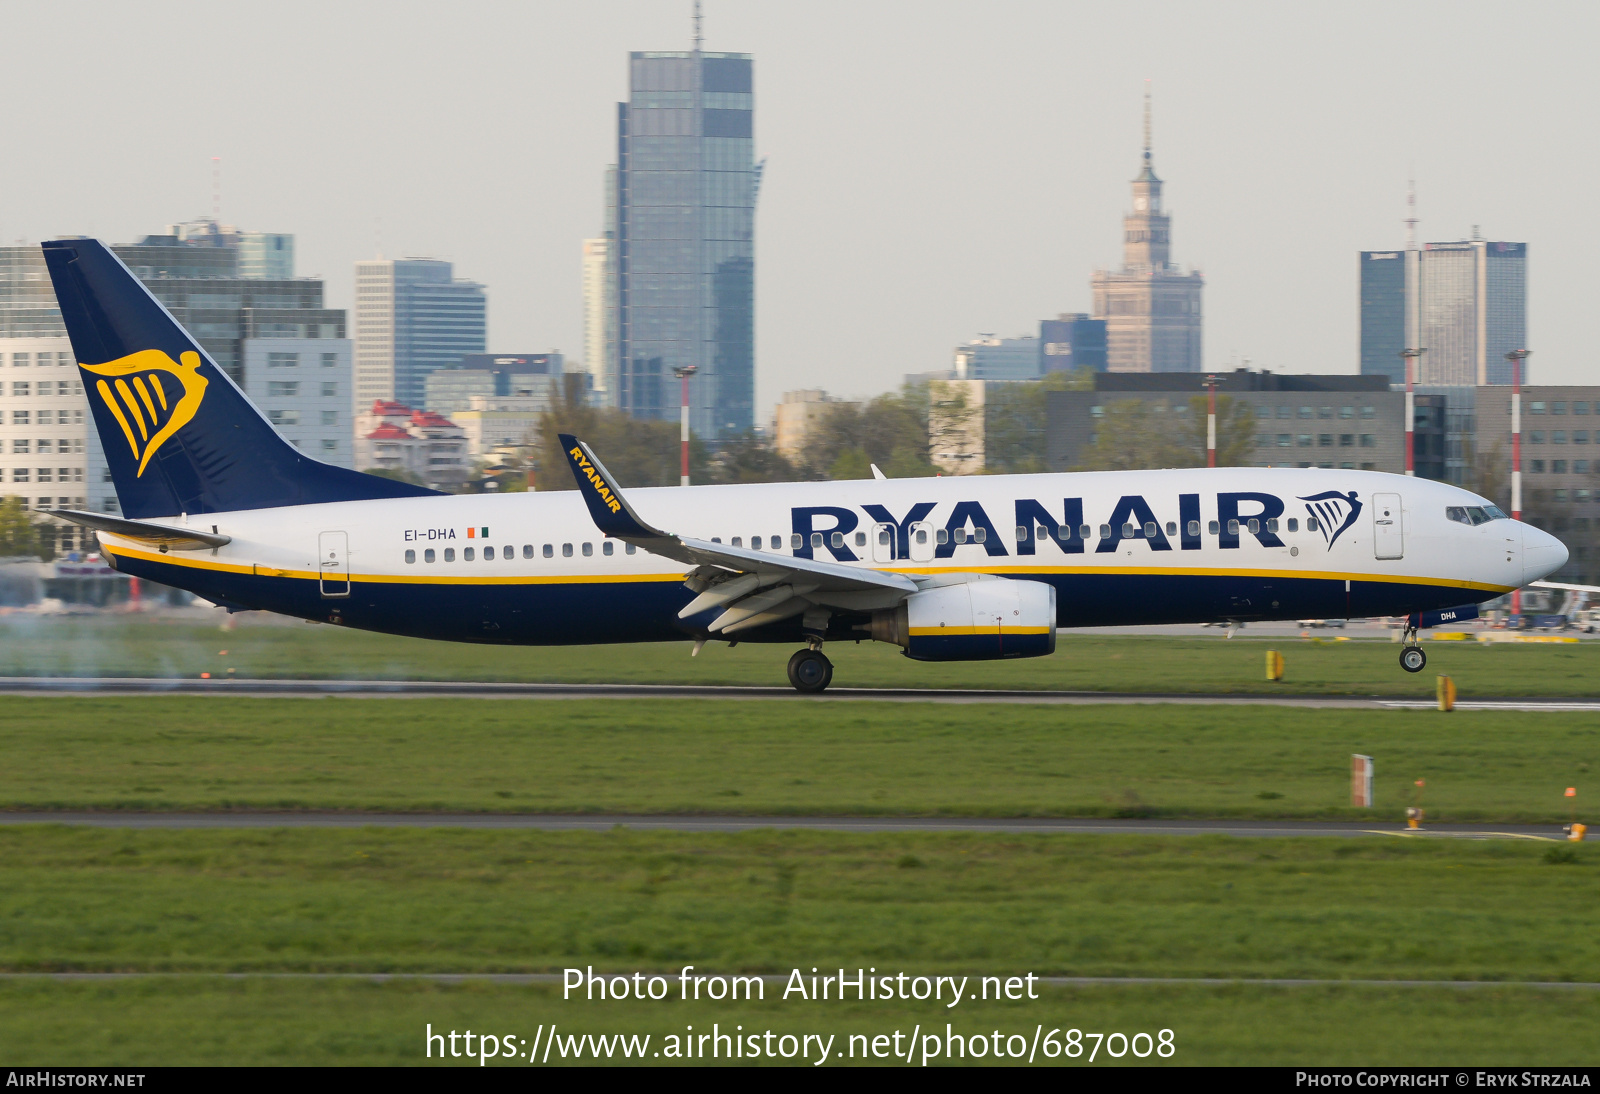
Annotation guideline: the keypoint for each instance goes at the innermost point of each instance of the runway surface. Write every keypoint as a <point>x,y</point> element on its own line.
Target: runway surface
<point>696,823</point>
<point>393,689</point>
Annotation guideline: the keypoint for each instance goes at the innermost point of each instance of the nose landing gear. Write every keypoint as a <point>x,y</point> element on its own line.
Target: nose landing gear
<point>810,671</point>
<point>1412,659</point>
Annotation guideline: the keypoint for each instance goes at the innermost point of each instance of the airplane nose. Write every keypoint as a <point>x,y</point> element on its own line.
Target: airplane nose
<point>1542,554</point>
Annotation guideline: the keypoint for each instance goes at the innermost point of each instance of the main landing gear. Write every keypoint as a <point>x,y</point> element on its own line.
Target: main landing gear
<point>1412,659</point>
<point>810,671</point>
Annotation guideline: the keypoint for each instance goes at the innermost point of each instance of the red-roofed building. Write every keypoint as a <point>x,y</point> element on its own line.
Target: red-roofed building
<point>393,437</point>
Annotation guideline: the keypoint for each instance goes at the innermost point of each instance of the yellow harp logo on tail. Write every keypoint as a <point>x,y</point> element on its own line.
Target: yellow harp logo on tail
<point>151,396</point>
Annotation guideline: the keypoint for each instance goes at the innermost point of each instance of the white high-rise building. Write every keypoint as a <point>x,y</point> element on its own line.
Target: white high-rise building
<point>596,314</point>
<point>413,315</point>
<point>50,455</point>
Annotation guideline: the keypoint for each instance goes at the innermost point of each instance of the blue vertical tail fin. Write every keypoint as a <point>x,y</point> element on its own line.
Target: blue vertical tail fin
<point>179,435</point>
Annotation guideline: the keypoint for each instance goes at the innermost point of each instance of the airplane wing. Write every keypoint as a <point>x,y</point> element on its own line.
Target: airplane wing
<point>162,536</point>
<point>1564,585</point>
<point>753,587</point>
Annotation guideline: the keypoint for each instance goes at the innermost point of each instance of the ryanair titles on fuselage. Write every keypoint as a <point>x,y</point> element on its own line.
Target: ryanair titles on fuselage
<point>1238,513</point>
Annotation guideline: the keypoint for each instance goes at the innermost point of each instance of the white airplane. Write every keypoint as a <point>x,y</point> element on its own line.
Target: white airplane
<point>950,569</point>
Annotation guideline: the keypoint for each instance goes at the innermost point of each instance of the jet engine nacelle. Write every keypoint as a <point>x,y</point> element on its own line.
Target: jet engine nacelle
<point>973,621</point>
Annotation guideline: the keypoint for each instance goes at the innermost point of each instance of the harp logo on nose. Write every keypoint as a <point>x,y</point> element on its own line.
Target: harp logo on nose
<point>151,396</point>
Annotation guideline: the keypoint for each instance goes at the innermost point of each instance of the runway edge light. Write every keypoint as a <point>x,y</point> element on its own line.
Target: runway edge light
<point>1575,831</point>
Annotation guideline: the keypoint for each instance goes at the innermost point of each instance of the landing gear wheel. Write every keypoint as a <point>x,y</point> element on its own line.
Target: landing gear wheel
<point>810,672</point>
<point>1412,659</point>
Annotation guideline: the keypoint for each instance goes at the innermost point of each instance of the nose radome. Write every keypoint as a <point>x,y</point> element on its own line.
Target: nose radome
<point>1542,554</point>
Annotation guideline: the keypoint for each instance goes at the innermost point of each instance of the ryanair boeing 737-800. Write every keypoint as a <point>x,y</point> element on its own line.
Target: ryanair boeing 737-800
<point>950,569</point>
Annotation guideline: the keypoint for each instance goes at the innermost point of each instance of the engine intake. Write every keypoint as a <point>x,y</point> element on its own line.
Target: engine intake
<point>974,621</point>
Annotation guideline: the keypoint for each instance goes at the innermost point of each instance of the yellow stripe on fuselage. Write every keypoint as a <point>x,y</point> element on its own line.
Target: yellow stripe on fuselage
<point>1006,571</point>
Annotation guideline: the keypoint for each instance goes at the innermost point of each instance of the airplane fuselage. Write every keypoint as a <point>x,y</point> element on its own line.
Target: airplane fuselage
<point>1129,547</point>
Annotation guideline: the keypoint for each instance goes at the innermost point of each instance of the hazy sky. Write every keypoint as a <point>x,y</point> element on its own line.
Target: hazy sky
<point>935,169</point>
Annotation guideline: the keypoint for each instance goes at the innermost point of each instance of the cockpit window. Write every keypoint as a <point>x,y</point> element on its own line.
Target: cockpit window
<point>1474,514</point>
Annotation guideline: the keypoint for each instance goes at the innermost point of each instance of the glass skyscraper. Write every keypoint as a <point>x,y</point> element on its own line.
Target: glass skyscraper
<point>683,221</point>
<point>1383,314</point>
<point>1473,305</point>
<point>413,316</point>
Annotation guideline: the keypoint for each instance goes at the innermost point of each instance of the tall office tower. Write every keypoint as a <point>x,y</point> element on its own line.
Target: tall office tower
<point>413,315</point>
<point>1474,310</point>
<point>1465,304</point>
<point>597,339</point>
<point>1383,314</point>
<point>272,336</point>
<point>1151,306</point>
<point>684,250</point>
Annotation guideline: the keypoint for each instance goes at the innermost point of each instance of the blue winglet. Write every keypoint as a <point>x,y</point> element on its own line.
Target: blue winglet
<point>611,512</point>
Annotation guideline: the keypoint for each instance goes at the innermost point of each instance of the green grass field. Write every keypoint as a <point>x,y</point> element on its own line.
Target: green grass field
<point>263,647</point>
<point>442,900</point>
<point>198,904</point>
<point>275,1022</point>
<point>760,757</point>
<point>979,904</point>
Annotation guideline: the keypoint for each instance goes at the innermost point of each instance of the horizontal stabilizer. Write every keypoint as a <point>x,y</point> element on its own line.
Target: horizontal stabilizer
<point>157,535</point>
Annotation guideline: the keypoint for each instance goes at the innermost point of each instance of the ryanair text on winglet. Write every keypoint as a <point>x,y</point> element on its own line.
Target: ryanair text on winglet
<point>599,484</point>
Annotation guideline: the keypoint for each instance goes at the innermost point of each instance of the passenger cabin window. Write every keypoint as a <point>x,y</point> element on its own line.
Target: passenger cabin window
<point>566,550</point>
<point>922,535</point>
<point>1311,524</point>
<point>549,551</point>
<point>1105,531</point>
<point>1083,531</point>
<point>1214,528</point>
<point>607,548</point>
<point>1149,529</point>
<point>427,556</point>
<point>467,554</point>
<point>1172,528</point>
<point>943,536</point>
<point>527,550</point>
<point>411,557</point>
<point>961,535</point>
<point>507,552</point>
<point>837,539</point>
<point>1194,528</point>
<point>588,550</point>
<point>1294,524</point>
<point>795,542</point>
<point>1272,525</point>
<point>1233,527</point>
<point>737,541</point>
<point>631,549</point>
<point>1255,526</point>
<point>816,539</point>
<point>449,554</point>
